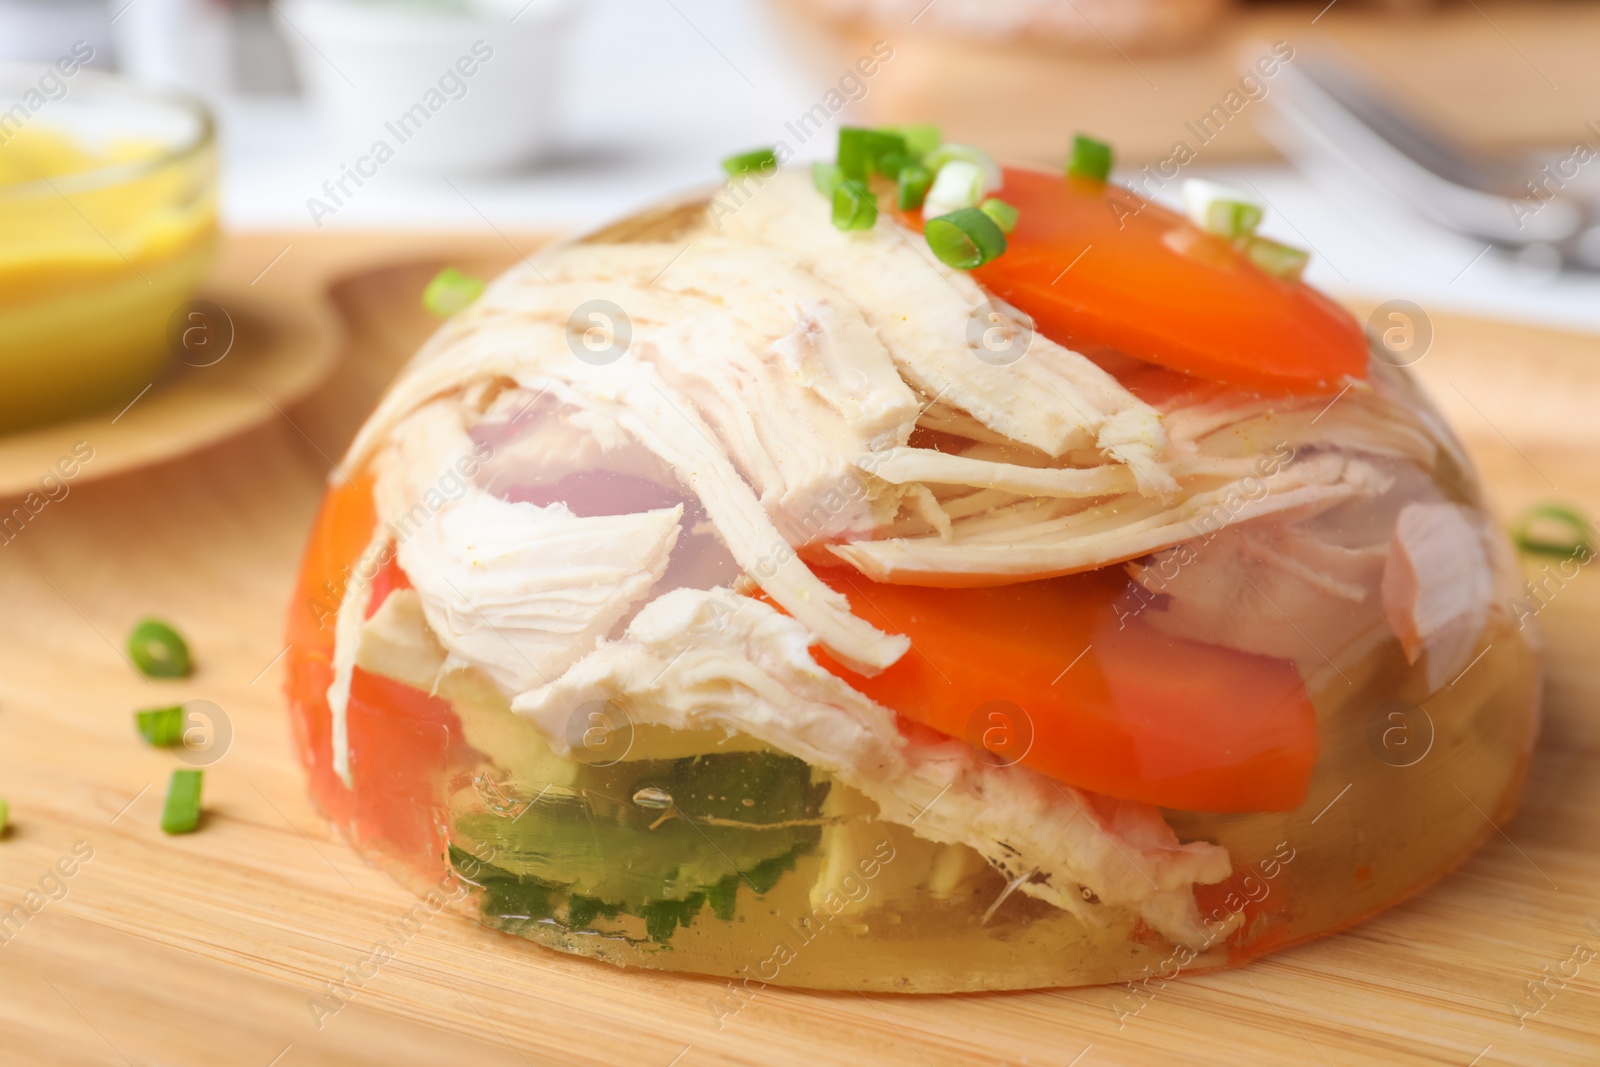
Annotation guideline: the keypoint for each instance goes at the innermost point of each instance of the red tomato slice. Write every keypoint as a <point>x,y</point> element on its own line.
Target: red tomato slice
<point>1062,676</point>
<point>388,579</point>
<point>1100,268</point>
<point>342,529</point>
<point>406,739</point>
<point>404,743</point>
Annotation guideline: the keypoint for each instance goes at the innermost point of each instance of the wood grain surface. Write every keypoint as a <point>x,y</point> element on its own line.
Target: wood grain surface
<point>205,949</point>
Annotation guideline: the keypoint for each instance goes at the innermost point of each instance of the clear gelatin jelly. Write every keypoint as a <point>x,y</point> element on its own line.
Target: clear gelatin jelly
<point>790,588</point>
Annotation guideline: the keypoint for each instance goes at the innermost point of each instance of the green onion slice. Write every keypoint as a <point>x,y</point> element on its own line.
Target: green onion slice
<point>854,208</point>
<point>756,161</point>
<point>965,239</point>
<point>861,151</point>
<point>1232,218</point>
<point>965,153</point>
<point>5,815</point>
<point>890,164</point>
<point>1090,159</point>
<point>1004,215</point>
<point>450,291</point>
<point>1220,209</point>
<point>920,137</point>
<point>1284,262</point>
<point>958,184</point>
<point>162,727</point>
<point>181,813</point>
<point>825,176</point>
<point>157,650</point>
<point>913,187</point>
<point>1554,530</point>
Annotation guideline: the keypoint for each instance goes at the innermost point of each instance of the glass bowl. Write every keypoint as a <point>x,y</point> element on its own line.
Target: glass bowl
<point>108,223</point>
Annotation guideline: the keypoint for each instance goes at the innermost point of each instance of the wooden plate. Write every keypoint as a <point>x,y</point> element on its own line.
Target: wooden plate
<point>284,340</point>
<point>287,337</point>
<point>230,945</point>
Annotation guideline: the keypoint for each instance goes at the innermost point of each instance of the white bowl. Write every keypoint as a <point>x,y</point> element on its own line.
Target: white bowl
<point>429,90</point>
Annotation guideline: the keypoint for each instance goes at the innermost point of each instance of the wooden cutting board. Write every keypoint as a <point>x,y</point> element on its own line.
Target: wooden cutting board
<point>204,949</point>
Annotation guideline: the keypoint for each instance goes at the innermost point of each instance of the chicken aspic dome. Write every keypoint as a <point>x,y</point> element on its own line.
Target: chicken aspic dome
<point>911,575</point>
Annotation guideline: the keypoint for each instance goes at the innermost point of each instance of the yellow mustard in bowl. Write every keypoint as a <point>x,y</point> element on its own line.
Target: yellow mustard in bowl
<point>108,223</point>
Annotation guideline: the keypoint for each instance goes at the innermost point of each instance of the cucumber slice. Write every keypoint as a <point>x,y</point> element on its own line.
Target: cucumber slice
<point>744,788</point>
<point>576,855</point>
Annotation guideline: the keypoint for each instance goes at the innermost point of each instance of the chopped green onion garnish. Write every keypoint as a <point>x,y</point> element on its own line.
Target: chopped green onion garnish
<point>1220,209</point>
<point>891,163</point>
<point>964,153</point>
<point>854,208</point>
<point>914,182</point>
<point>855,152</point>
<point>1090,159</point>
<point>1282,261</point>
<point>889,154</point>
<point>5,815</point>
<point>958,184</point>
<point>965,239</point>
<point>825,176</point>
<point>157,650</point>
<point>920,137</point>
<point>1232,218</point>
<point>181,814</point>
<point>861,151</point>
<point>162,727</point>
<point>450,291</point>
<point>757,161</point>
<point>1553,530</point>
<point>1005,216</point>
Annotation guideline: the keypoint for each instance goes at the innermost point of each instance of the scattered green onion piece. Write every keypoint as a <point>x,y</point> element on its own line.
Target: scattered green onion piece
<point>855,154</point>
<point>888,153</point>
<point>181,813</point>
<point>757,161</point>
<point>1232,218</point>
<point>920,137</point>
<point>1220,209</point>
<point>157,650</point>
<point>965,153</point>
<point>162,727</point>
<point>1529,538</point>
<point>965,239</point>
<point>1005,216</point>
<point>958,184</point>
<point>1284,262</point>
<point>890,164</point>
<point>854,208</point>
<point>825,176</point>
<point>5,815</point>
<point>450,291</point>
<point>861,151</point>
<point>913,189</point>
<point>1090,159</point>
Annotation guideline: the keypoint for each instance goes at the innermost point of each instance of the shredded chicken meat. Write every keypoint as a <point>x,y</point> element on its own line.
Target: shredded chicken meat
<point>817,395</point>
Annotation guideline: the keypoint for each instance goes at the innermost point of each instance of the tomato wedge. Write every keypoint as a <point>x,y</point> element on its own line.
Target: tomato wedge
<point>1062,676</point>
<point>1101,269</point>
<point>407,740</point>
<point>342,529</point>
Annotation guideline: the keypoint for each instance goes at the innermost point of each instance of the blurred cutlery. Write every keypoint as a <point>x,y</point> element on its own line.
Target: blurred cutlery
<point>1331,116</point>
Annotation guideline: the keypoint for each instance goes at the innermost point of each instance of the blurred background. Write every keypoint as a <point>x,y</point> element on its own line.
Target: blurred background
<point>1433,152</point>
